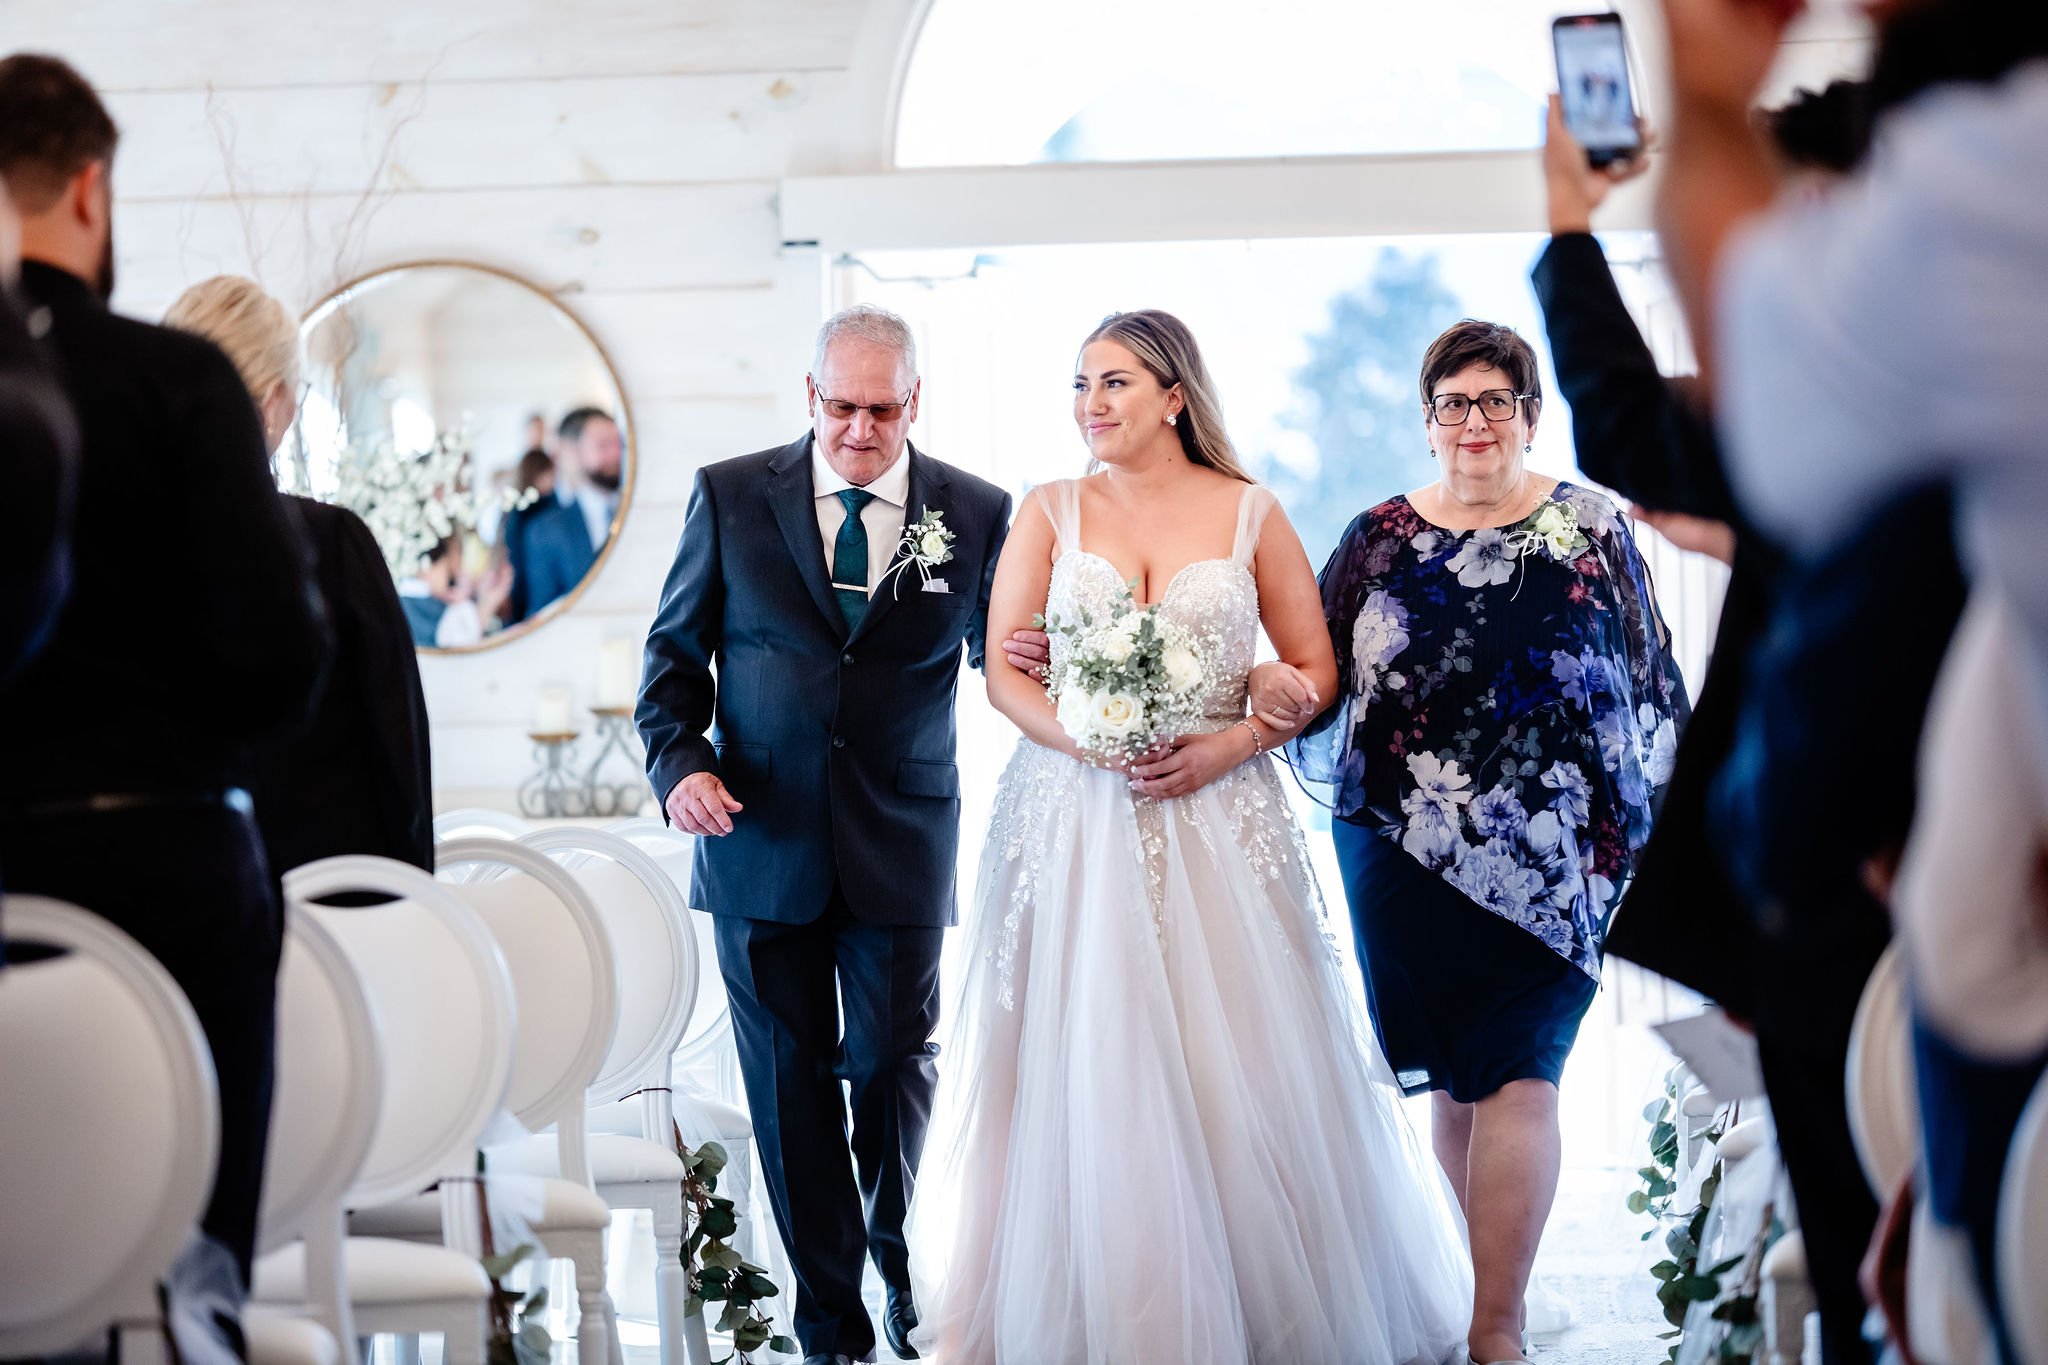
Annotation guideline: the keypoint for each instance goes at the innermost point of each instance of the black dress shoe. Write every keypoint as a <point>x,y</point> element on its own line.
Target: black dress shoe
<point>899,1316</point>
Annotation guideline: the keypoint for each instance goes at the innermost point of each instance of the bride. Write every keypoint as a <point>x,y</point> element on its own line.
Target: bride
<point>1172,1140</point>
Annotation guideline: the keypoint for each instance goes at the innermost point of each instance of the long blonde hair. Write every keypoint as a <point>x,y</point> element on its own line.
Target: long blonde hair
<point>1165,347</point>
<point>257,332</point>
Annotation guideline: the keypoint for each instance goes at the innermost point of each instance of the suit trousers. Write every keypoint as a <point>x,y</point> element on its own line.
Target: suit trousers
<point>823,1013</point>
<point>191,884</point>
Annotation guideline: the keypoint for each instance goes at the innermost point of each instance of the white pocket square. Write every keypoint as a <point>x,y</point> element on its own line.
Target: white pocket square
<point>937,585</point>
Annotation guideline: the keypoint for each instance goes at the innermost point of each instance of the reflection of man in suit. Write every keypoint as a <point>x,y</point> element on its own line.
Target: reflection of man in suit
<point>825,797</point>
<point>552,544</point>
<point>122,786</point>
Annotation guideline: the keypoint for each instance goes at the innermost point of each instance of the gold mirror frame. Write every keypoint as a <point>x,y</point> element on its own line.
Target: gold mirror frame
<point>628,428</point>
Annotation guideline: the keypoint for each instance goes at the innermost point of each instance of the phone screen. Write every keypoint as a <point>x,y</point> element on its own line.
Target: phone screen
<point>1592,78</point>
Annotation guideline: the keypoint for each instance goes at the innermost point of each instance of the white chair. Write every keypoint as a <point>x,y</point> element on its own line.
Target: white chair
<point>562,974</point>
<point>1884,1105</point>
<point>707,1042</point>
<point>441,995</point>
<point>632,1147</point>
<point>2023,1231</point>
<point>476,822</point>
<point>109,1132</point>
<point>323,1113</point>
<point>1785,1299</point>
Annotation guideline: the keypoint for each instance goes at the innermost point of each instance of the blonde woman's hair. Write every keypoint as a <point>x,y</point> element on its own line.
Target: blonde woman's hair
<point>257,332</point>
<point>1165,347</point>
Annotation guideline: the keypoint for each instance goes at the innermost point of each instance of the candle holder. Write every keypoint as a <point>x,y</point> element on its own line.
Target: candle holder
<point>624,790</point>
<point>552,792</point>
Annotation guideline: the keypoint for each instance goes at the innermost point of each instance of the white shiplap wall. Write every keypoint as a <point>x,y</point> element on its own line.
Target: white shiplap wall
<point>623,153</point>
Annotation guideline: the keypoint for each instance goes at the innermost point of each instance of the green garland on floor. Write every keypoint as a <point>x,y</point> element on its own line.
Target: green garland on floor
<point>1681,1282</point>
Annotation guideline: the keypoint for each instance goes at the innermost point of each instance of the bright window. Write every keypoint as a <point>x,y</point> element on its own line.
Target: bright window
<point>1163,80</point>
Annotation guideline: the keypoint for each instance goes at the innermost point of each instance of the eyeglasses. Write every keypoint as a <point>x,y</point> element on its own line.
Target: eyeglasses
<point>1495,405</point>
<point>841,410</point>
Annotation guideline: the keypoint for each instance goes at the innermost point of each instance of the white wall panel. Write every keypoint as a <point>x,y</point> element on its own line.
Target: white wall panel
<point>452,135</point>
<point>290,44</point>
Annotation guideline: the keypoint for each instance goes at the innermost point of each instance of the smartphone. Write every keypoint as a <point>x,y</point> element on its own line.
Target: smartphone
<point>1593,79</point>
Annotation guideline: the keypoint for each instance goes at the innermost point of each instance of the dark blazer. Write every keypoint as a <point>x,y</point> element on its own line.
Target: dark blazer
<point>39,469</point>
<point>1637,435</point>
<point>193,633</point>
<point>840,745</point>
<point>358,779</point>
<point>548,546</point>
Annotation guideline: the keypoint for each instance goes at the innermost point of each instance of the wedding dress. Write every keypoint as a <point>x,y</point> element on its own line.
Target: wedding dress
<point>1168,1136</point>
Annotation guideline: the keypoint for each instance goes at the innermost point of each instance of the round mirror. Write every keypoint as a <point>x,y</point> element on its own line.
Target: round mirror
<point>479,430</point>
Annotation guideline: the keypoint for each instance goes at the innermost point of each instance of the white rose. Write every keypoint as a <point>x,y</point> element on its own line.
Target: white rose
<point>1183,669</point>
<point>1075,708</point>
<point>1115,646</point>
<point>933,546</point>
<point>1114,715</point>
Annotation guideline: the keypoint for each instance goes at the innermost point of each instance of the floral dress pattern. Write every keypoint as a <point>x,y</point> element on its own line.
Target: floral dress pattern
<point>1508,706</point>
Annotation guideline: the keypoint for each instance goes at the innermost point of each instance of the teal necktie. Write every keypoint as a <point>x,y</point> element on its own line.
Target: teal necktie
<point>850,556</point>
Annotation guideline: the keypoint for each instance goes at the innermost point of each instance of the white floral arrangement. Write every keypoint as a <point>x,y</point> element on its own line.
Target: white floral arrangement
<point>1491,555</point>
<point>1129,679</point>
<point>927,543</point>
<point>412,503</point>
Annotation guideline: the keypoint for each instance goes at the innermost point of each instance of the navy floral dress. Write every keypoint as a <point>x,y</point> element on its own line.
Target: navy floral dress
<point>1508,710</point>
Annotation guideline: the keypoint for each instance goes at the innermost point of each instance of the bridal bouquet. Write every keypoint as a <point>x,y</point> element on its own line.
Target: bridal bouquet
<point>1128,681</point>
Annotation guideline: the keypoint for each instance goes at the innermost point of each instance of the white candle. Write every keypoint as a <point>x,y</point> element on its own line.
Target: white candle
<point>618,674</point>
<point>551,716</point>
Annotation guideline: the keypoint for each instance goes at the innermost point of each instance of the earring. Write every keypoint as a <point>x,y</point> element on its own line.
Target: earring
<point>1527,449</point>
<point>1173,419</point>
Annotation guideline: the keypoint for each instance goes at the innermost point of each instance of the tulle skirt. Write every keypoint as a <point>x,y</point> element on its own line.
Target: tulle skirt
<point>1166,1135</point>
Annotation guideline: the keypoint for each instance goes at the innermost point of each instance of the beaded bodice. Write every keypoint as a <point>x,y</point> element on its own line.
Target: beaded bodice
<point>1215,600</point>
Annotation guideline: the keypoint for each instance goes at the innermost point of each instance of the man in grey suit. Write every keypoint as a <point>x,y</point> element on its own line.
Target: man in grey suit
<point>820,650</point>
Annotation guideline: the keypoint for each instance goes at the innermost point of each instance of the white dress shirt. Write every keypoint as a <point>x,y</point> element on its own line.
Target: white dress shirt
<point>598,508</point>
<point>883,515</point>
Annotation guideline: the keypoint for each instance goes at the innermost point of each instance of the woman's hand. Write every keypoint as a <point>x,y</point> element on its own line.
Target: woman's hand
<point>1574,187</point>
<point>1283,696</point>
<point>1190,763</point>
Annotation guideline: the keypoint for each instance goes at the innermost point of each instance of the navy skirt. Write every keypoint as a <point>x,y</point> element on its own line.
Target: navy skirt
<point>1462,1000</point>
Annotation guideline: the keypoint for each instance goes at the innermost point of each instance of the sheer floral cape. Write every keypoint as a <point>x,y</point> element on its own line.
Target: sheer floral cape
<point>1508,706</point>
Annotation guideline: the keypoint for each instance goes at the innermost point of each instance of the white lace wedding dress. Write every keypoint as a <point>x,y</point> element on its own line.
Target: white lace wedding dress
<point>1166,1136</point>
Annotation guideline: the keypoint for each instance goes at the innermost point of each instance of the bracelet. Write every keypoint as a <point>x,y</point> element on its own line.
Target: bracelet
<point>1258,743</point>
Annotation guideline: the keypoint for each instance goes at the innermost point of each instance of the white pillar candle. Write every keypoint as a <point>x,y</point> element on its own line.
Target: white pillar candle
<point>618,673</point>
<point>551,716</point>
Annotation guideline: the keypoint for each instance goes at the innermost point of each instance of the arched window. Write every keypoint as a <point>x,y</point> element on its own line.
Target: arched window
<point>1168,80</point>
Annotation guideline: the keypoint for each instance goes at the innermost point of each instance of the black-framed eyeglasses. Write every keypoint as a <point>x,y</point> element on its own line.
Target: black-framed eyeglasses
<point>842,411</point>
<point>1495,405</point>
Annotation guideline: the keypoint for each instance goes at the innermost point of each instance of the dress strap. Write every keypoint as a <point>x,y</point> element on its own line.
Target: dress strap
<point>1252,508</point>
<point>1061,500</point>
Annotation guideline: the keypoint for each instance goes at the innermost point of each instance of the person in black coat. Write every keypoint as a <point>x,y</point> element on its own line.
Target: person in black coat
<point>39,469</point>
<point>798,711</point>
<point>359,778</point>
<point>192,638</point>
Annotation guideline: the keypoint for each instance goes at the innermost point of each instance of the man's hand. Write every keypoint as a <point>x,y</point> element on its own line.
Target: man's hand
<point>1576,188</point>
<point>1282,696</point>
<point>1028,652</point>
<point>1702,535</point>
<point>701,804</point>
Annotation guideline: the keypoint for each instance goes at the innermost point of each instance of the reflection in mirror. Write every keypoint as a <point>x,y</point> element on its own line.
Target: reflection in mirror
<point>481,433</point>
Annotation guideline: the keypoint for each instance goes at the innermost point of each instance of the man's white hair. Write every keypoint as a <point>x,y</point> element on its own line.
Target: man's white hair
<point>868,323</point>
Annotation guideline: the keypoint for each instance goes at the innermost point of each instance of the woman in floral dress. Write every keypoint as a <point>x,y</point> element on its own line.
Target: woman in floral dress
<point>1506,712</point>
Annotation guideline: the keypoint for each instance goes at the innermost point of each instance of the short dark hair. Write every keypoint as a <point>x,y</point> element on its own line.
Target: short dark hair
<point>571,428</point>
<point>1472,342</point>
<point>52,126</point>
<point>1942,42</point>
<point>1826,130</point>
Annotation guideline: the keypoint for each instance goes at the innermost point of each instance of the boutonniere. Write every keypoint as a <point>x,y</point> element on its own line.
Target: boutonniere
<point>927,543</point>
<point>1552,529</point>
